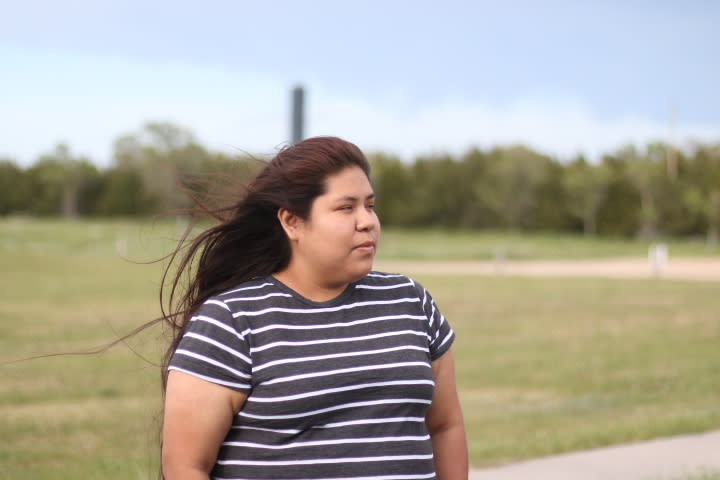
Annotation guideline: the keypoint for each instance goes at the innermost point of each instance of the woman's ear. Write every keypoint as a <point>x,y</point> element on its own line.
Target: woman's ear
<point>289,222</point>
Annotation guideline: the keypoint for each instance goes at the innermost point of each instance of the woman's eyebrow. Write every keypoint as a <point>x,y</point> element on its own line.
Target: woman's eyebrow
<point>351,198</point>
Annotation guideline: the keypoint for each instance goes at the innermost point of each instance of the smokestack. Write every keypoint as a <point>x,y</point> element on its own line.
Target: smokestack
<point>298,114</point>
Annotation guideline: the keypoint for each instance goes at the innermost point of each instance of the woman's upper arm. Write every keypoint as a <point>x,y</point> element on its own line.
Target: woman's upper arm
<point>197,417</point>
<point>445,408</point>
<point>445,423</point>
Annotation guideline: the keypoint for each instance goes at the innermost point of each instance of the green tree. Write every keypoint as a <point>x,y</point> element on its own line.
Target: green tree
<point>14,192</point>
<point>475,174</point>
<point>552,203</point>
<point>702,192</point>
<point>618,213</point>
<point>514,176</point>
<point>168,157</point>
<point>62,183</point>
<point>708,206</point>
<point>586,185</point>
<point>124,194</point>
<point>644,172</point>
<point>428,201</point>
<point>393,187</point>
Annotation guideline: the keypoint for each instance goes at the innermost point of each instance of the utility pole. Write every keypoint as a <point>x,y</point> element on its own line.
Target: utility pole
<point>672,163</point>
<point>298,115</point>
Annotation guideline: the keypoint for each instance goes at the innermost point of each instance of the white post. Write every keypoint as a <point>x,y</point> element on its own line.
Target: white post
<point>499,260</point>
<point>658,257</point>
<point>121,245</point>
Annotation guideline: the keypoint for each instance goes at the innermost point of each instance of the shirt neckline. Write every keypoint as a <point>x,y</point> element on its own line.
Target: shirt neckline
<point>339,299</point>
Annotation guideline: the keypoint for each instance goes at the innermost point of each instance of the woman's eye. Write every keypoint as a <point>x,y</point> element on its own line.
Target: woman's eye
<point>371,206</point>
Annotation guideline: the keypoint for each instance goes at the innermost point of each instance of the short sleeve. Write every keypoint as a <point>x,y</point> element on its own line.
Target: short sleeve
<point>214,349</point>
<point>439,331</point>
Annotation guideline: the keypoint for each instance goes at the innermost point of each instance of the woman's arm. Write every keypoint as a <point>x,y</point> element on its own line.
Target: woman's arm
<point>198,415</point>
<point>445,423</point>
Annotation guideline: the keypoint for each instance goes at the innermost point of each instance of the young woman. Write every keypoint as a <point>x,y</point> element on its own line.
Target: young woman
<point>292,358</point>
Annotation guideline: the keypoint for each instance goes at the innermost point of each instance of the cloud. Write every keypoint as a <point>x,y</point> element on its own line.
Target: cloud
<point>560,129</point>
<point>88,102</point>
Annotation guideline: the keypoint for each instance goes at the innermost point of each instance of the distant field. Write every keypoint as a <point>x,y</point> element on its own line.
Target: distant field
<point>440,245</point>
<point>545,365</point>
<point>147,239</point>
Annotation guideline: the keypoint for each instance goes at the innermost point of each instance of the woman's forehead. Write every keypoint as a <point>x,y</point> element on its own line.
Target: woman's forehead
<point>349,182</point>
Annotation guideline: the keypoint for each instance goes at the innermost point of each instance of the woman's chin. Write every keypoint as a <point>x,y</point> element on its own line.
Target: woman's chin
<point>363,270</point>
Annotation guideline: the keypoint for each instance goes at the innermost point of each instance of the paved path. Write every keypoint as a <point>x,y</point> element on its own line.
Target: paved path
<point>702,269</point>
<point>664,459</point>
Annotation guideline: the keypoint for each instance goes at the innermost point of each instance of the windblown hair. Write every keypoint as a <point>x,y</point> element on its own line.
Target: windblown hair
<point>248,240</point>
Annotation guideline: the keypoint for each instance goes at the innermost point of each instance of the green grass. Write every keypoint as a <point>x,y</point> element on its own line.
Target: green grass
<point>553,365</point>
<point>64,289</point>
<point>544,365</point>
<point>699,475</point>
<point>148,239</point>
<point>397,244</point>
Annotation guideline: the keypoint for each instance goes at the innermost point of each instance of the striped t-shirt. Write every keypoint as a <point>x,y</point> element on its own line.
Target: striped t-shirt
<point>336,389</point>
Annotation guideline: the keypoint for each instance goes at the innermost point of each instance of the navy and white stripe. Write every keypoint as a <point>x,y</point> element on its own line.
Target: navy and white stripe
<point>336,390</point>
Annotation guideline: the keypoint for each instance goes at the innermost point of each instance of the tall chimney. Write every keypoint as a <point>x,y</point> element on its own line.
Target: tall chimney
<point>298,114</point>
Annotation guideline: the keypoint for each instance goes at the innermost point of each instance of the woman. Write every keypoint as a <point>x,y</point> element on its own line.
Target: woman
<point>296,360</point>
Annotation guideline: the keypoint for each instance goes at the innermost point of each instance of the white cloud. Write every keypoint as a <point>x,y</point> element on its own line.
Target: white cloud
<point>88,102</point>
<point>562,130</point>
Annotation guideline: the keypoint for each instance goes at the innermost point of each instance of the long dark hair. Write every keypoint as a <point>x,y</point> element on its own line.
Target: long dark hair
<point>248,240</point>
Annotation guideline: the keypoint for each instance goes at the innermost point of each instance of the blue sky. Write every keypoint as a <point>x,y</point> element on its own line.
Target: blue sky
<point>406,77</point>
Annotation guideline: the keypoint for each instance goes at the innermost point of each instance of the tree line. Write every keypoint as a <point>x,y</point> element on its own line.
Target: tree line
<point>650,192</point>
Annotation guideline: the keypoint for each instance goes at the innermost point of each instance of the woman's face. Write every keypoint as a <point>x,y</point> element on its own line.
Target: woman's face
<point>338,241</point>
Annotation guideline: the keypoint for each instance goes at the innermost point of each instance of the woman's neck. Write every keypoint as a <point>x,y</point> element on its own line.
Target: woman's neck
<point>307,286</point>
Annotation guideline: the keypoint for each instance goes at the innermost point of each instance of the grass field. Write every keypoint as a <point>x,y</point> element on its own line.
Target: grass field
<point>144,240</point>
<point>544,365</point>
<point>702,475</point>
<point>440,245</point>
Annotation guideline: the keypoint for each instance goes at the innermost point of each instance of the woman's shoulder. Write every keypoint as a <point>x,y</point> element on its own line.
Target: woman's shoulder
<point>252,290</point>
<point>384,280</point>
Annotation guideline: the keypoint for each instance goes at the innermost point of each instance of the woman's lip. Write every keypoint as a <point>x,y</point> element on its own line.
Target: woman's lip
<point>366,245</point>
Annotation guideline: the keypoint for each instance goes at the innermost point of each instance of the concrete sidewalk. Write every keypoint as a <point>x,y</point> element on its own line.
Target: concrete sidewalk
<point>663,459</point>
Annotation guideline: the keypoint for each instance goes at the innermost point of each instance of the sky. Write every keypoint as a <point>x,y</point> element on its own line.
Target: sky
<point>408,78</point>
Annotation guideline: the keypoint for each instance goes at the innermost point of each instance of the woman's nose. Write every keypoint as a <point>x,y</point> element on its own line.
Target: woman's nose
<point>366,219</point>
